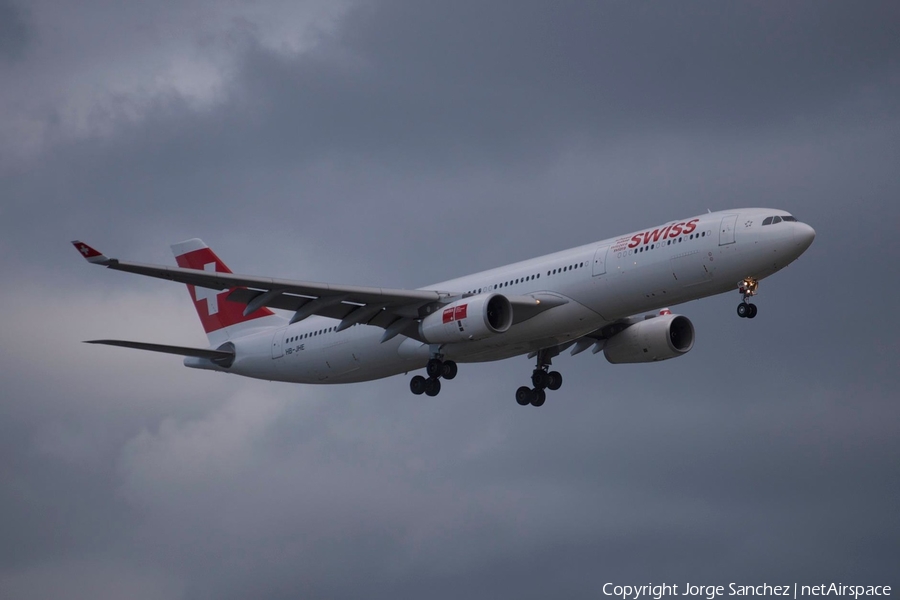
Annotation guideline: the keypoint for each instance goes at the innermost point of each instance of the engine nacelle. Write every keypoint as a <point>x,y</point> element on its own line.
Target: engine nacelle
<point>651,340</point>
<point>469,319</point>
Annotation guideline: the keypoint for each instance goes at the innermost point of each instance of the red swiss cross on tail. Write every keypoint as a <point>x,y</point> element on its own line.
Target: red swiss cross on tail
<point>213,308</point>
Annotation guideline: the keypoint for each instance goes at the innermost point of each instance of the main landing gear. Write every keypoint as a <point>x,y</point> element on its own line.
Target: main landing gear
<point>747,288</point>
<point>436,368</point>
<point>542,379</point>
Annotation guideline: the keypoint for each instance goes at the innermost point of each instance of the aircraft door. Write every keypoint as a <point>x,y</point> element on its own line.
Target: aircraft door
<point>278,343</point>
<point>600,260</point>
<point>726,230</point>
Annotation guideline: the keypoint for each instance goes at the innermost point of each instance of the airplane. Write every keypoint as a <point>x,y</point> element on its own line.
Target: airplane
<point>591,296</point>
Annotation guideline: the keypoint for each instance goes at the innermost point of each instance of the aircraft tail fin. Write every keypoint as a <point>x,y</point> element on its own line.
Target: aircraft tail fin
<point>221,318</point>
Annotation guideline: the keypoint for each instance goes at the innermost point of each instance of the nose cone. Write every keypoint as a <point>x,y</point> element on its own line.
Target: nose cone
<point>803,236</point>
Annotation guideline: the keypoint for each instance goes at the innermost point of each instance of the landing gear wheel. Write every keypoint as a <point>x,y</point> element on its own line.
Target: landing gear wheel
<point>417,385</point>
<point>448,370</point>
<point>523,396</point>
<point>434,367</point>
<point>748,288</point>
<point>540,379</point>
<point>432,386</point>
<point>554,380</point>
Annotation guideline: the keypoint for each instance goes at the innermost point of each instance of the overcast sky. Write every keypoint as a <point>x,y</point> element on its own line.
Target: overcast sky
<point>403,143</point>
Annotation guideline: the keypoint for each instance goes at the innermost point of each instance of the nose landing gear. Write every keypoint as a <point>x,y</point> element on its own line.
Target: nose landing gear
<point>747,288</point>
<point>542,379</point>
<point>435,368</point>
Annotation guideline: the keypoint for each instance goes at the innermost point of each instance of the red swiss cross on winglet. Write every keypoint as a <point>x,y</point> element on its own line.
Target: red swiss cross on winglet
<point>89,253</point>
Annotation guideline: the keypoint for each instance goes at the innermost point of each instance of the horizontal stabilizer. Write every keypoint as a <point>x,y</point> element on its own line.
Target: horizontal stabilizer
<point>223,357</point>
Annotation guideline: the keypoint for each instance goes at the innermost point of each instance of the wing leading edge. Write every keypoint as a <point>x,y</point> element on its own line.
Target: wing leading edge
<point>395,310</point>
<point>223,356</point>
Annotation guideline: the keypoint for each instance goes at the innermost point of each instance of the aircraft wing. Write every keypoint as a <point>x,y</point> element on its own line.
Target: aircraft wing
<point>395,310</point>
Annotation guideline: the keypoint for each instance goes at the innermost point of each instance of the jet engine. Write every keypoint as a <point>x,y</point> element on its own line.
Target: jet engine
<point>469,319</point>
<point>654,339</point>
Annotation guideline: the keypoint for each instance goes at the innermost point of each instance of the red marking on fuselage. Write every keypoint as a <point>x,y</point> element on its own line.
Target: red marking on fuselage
<point>668,232</point>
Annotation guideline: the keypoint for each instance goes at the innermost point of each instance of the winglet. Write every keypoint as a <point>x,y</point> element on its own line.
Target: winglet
<point>89,254</point>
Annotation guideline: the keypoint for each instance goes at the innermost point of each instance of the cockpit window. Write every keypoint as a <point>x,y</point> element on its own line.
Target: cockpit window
<point>789,218</point>
<point>768,220</point>
<point>777,220</point>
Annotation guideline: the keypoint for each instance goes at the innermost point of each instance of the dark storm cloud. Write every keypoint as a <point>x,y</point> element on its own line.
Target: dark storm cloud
<point>467,89</point>
<point>461,81</point>
<point>615,66</point>
<point>15,34</point>
<point>415,142</point>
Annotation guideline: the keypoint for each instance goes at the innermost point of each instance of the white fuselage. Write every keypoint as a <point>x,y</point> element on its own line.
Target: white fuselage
<point>602,282</point>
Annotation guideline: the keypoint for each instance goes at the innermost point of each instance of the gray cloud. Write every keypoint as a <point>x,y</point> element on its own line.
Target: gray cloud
<point>15,33</point>
<point>398,144</point>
